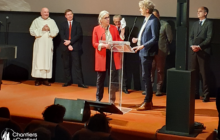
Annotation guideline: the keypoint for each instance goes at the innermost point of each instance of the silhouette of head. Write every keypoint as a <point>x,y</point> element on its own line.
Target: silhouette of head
<point>4,112</point>
<point>98,123</point>
<point>54,113</point>
<point>42,133</point>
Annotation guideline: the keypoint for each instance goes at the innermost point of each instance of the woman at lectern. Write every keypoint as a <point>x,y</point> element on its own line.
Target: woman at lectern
<point>106,32</point>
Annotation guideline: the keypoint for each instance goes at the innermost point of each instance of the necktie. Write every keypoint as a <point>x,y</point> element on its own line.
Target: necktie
<point>70,28</point>
<point>200,25</point>
<point>119,30</point>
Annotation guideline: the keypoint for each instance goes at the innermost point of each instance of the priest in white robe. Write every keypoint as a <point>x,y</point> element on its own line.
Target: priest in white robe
<point>44,29</point>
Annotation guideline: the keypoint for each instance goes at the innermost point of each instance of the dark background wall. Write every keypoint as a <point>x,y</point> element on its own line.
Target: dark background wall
<point>20,68</point>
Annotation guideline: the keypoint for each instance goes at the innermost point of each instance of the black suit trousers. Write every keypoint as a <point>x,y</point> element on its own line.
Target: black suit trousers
<point>201,64</point>
<point>101,79</point>
<point>72,58</point>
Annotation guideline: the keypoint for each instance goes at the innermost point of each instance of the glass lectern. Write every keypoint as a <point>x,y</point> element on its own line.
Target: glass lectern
<point>116,74</point>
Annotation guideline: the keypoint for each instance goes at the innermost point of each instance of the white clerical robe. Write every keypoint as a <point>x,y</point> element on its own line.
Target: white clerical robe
<point>43,47</point>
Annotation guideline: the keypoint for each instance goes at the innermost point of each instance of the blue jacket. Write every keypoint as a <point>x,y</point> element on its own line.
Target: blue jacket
<point>150,37</point>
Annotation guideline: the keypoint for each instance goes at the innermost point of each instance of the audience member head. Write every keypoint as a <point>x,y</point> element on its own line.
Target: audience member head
<point>44,13</point>
<point>98,123</point>
<point>4,112</point>
<point>104,18</point>
<point>42,133</point>
<point>54,113</point>
<point>146,7</point>
<point>117,20</point>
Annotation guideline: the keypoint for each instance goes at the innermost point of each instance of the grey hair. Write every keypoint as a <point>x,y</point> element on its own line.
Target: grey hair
<point>101,15</point>
<point>147,4</point>
<point>117,16</point>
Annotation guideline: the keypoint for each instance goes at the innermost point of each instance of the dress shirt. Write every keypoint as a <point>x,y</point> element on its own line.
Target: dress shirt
<point>142,29</point>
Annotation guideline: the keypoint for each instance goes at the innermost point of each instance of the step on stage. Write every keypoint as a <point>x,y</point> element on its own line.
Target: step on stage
<point>27,101</point>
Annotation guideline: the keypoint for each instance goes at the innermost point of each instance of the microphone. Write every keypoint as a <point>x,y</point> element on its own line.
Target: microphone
<point>104,33</point>
<point>7,30</point>
<point>135,20</point>
<point>7,18</point>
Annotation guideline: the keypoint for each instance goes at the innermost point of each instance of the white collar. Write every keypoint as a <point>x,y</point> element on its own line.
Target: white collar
<point>147,18</point>
<point>202,21</point>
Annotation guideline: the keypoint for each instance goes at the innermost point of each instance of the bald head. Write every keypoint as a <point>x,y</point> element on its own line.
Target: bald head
<point>202,12</point>
<point>44,13</point>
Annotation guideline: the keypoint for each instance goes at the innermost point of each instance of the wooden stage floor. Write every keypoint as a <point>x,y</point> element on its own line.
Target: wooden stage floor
<point>26,102</point>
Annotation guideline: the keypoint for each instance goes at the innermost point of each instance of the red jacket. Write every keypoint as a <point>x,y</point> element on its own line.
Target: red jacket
<point>100,56</point>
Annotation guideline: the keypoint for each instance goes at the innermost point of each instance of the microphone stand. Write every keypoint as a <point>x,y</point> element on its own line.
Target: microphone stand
<point>0,26</point>
<point>7,30</point>
<point>132,28</point>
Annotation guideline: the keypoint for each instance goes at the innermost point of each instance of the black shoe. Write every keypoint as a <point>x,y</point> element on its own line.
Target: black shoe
<point>144,93</point>
<point>158,93</point>
<point>46,83</point>
<point>125,90</point>
<point>206,100</point>
<point>66,84</point>
<point>37,82</point>
<point>82,85</point>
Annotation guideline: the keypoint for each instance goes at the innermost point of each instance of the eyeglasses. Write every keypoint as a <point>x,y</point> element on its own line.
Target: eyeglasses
<point>106,18</point>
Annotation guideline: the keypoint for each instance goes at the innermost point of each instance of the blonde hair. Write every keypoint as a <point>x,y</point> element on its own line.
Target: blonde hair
<point>147,4</point>
<point>101,15</point>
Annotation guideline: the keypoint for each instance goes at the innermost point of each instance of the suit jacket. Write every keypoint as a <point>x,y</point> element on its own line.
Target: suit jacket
<point>100,56</point>
<point>126,33</point>
<point>150,37</point>
<point>76,35</point>
<point>165,38</point>
<point>203,36</point>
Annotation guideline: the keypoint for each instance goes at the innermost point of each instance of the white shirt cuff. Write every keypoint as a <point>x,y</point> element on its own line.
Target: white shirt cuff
<point>100,46</point>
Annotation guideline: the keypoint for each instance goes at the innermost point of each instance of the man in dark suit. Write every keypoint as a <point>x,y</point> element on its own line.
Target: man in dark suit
<point>117,21</point>
<point>71,34</point>
<point>159,61</point>
<point>200,39</point>
<point>147,42</point>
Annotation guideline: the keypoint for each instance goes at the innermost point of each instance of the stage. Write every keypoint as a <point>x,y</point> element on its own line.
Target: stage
<point>27,101</point>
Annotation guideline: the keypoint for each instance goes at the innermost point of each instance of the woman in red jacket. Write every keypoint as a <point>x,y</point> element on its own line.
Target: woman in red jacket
<point>107,32</point>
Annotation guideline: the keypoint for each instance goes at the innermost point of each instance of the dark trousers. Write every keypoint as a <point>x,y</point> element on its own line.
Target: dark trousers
<point>72,58</point>
<point>101,79</point>
<point>158,65</point>
<point>201,64</point>
<point>146,64</point>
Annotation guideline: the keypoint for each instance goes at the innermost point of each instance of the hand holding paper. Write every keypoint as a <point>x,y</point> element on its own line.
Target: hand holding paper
<point>123,23</point>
